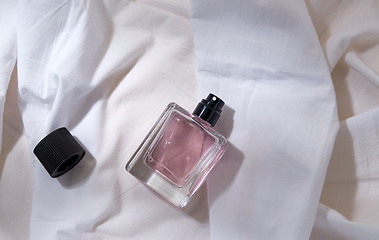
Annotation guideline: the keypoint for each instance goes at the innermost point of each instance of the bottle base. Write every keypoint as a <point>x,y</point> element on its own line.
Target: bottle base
<point>177,196</point>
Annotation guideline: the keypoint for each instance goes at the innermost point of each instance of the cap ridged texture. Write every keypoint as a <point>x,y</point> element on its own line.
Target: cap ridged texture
<point>59,152</point>
<point>209,109</point>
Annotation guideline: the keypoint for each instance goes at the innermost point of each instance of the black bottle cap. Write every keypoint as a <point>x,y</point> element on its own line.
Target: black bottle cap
<point>209,109</point>
<point>59,152</point>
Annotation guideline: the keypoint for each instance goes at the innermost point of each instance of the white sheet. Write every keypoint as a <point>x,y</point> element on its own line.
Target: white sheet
<point>107,70</point>
<point>285,117</point>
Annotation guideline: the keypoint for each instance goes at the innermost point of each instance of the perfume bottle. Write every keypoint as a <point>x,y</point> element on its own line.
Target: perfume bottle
<point>179,151</point>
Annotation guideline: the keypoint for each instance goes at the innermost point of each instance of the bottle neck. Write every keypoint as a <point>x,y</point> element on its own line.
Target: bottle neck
<point>209,109</point>
<point>201,121</point>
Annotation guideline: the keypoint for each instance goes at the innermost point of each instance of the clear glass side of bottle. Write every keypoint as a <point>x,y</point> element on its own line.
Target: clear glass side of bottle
<point>155,166</point>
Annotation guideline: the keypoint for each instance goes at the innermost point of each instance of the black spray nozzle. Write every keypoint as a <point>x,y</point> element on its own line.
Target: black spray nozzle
<point>209,109</point>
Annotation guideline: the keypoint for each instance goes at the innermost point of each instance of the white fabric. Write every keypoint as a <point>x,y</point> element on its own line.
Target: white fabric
<point>269,67</point>
<point>289,72</point>
<point>8,51</point>
<point>106,73</point>
<point>349,35</point>
<point>330,225</point>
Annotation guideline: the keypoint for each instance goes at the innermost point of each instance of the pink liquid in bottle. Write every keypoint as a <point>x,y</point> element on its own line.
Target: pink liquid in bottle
<point>179,150</point>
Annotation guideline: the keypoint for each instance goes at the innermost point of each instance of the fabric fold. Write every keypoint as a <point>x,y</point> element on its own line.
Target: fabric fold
<point>264,59</point>
<point>106,71</point>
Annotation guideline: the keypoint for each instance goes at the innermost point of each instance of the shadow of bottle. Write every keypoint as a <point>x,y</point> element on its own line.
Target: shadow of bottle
<point>229,165</point>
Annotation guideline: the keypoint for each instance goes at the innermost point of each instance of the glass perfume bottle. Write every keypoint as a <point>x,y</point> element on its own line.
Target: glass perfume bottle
<point>180,150</point>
